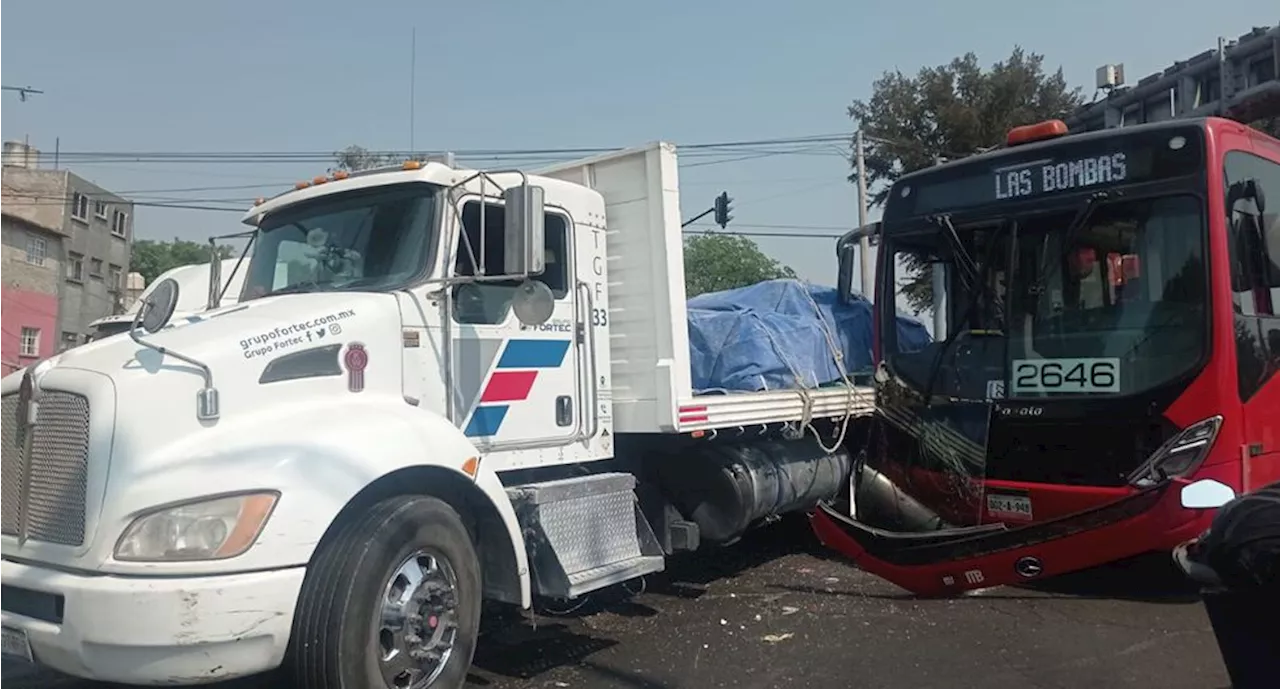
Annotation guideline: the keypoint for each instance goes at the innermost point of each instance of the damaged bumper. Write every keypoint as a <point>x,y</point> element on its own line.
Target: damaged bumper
<point>952,561</point>
<point>149,630</point>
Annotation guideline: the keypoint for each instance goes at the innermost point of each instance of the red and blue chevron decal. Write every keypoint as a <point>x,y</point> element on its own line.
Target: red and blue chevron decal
<point>511,381</point>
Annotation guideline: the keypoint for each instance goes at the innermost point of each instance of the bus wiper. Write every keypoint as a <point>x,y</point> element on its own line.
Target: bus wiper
<point>969,269</point>
<point>1049,270</point>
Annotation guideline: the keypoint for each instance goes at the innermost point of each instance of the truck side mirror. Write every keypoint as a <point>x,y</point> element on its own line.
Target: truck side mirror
<point>158,307</point>
<point>524,228</point>
<point>844,277</point>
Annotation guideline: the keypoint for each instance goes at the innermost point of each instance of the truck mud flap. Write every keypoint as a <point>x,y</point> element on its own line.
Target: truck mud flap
<point>952,561</point>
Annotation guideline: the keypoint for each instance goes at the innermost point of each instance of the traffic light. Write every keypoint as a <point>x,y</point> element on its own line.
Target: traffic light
<point>722,209</point>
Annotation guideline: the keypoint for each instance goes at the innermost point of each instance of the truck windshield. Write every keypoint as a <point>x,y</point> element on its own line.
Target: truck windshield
<point>1036,308</point>
<point>370,239</point>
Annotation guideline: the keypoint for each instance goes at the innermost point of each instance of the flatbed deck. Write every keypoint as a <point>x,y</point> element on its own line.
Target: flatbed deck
<point>743,409</point>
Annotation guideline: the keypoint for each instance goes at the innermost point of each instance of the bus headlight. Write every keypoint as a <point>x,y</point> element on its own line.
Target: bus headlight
<point>209,529</point>
<point>1181,455</point>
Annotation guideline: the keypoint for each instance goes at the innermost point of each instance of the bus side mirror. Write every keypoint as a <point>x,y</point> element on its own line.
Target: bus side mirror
<point>1206,494</point>
<point>1259,198</point>
<point>1257,237</point>
<point>844,277</point>
<point>1246,190</point>
<point>524,229</point>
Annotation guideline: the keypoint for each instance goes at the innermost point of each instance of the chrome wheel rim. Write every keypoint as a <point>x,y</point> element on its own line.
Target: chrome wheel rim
<point>417,624</point>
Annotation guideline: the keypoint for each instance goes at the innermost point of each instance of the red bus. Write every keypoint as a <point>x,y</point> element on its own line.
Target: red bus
<point>1110,333</point>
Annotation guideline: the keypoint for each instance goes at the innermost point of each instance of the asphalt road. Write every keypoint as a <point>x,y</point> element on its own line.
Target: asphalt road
<point>774,611</point>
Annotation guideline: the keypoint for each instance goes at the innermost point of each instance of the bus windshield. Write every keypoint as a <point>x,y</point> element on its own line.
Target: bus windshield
<point>1106,300</point>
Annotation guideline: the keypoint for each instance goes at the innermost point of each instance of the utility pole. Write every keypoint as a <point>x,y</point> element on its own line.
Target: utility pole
<point>413,78</point>
<point>864,249</point>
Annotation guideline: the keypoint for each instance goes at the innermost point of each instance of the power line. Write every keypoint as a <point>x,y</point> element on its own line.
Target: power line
<point>204,205</point>
<point>23,91</point>
<point>692,149</point>
<point>289,182</point>
<point>805,231</point>
<point>785,235</point>
<point>221,187</point>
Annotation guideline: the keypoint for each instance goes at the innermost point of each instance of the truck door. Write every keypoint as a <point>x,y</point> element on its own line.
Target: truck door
<point>513,384</point>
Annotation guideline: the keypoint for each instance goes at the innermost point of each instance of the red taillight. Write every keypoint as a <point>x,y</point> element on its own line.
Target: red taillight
<point>1036,132</point>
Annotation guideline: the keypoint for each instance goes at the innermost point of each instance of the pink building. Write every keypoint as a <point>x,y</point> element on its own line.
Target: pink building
<point>29,293</point>
<point>29,320</point>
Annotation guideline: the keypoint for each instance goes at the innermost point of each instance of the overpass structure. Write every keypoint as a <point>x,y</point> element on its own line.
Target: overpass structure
<point>1240,80</point>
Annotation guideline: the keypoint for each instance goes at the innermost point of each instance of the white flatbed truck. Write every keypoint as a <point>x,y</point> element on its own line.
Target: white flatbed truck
<point>439,386</point>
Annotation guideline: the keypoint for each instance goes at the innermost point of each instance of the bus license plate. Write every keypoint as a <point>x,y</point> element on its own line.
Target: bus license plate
<point>1008,506</point>
<point>15,643</point>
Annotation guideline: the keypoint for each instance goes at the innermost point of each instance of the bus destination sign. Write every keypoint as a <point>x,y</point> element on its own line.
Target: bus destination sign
<point>1065,166</point>
<point>1044,176</point>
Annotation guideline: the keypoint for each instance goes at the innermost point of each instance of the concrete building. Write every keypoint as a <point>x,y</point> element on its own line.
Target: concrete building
<point>86,233</point>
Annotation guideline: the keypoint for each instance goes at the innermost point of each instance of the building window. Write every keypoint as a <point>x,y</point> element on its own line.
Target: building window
<point>70,340</point>
<point>120,224</point>
<point>95,268</point>
<point>100,210</point>
<point>75,267</point>
<point>30,345</point>
<point>37,250</point>
<point>79,207</point>
<point>115,276</point>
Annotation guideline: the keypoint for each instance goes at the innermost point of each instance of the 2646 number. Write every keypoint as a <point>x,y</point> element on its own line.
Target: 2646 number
<point>1066,375</point>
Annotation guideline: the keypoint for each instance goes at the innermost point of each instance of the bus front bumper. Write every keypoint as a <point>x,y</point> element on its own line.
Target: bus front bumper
<point>952,561</point>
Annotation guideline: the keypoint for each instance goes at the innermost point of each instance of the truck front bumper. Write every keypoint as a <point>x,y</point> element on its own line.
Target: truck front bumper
<point>148,630</point>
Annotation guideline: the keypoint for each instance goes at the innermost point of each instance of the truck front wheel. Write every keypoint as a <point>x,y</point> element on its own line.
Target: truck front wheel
<point>392,600</point>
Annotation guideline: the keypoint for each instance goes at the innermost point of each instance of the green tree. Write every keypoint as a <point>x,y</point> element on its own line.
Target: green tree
<point>951,111</point>
<point>152,258</point>
<point>355,158</point>
<point>1268,125</point>
<point>714,262</point>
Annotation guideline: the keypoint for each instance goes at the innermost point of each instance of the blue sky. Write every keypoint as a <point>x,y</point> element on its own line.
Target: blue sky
<point>160,75</point>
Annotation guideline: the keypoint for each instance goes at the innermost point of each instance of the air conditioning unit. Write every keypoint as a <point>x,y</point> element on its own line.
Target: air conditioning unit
<point>1110,76</point>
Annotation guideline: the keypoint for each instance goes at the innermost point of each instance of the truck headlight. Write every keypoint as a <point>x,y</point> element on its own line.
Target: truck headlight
<point>209,529</point>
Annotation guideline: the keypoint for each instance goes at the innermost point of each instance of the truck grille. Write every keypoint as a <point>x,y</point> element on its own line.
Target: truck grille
<point>55,474</point>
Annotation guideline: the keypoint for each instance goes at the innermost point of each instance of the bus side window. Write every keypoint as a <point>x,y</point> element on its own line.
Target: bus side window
<point>1254,253</point>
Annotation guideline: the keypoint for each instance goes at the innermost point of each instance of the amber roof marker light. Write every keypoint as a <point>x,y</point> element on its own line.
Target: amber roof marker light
<point>1027,133</point>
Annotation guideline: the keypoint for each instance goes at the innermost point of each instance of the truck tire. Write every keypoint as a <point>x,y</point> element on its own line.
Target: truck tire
<point>392,600</point>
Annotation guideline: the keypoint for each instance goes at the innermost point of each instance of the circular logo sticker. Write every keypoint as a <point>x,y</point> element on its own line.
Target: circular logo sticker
<point>1028,567</point>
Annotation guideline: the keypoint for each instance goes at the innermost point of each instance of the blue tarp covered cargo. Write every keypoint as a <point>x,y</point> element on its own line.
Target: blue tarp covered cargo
<point>764,336</point>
